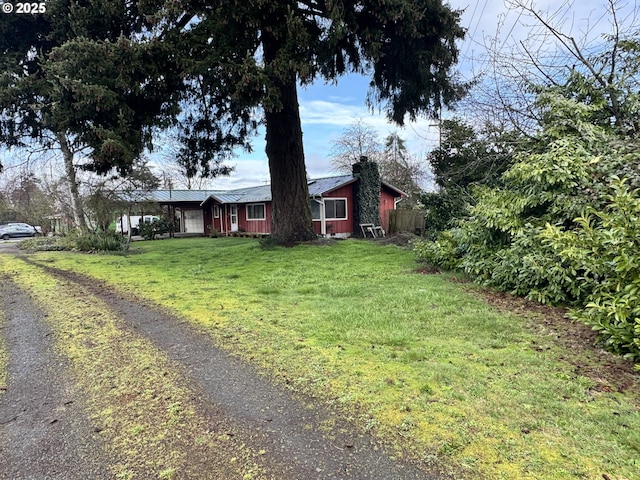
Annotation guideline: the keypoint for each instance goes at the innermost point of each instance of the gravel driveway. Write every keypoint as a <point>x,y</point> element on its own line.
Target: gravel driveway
<point>45,432</point>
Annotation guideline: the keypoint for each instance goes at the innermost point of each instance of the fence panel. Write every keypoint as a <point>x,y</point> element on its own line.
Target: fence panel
<point>406,221</point>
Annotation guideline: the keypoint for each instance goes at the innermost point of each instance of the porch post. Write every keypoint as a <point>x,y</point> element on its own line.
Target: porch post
<point>223,220</point>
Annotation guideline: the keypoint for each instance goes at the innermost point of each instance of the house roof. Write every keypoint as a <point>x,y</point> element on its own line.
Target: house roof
<point>177,196</point>
<point>319,186</point>
<point>260,193</point>
<point>397,191</point>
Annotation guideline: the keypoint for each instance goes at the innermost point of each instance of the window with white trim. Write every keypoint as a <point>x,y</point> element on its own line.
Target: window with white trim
<point>315,210</point>
<point>256,211</point>
<point>216,211</point>
<point>335,208</point>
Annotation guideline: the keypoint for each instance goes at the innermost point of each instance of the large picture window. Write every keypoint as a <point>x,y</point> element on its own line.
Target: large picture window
<point>255,211</point>
<point>335,208</point>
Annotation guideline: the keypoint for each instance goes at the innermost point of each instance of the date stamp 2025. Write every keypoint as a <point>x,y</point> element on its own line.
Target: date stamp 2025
<point>31,8</point>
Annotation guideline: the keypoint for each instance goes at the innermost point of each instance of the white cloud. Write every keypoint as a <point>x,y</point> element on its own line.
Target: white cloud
<point>248,172</point>
<point>335,113</point>
<point>323,121</point>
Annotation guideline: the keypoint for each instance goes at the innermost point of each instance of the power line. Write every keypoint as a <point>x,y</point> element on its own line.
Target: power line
<point>473,34</point>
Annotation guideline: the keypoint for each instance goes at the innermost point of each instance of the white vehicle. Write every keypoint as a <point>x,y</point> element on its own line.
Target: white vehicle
<point>122,225</point>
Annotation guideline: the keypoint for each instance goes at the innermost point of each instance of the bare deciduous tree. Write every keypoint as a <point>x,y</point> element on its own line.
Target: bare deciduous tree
<point>359,139</point>
<point>561,51</point>
<point>397,166</point>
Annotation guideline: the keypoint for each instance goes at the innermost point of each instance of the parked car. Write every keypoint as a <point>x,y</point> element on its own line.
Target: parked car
<point>14,230</point>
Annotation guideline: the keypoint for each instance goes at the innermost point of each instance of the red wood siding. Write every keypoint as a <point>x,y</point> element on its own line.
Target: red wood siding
<point>338,226</point>
<point>222,224</point>
<point>215,222</point>
<point>387,203</point>
<point>255,226</point>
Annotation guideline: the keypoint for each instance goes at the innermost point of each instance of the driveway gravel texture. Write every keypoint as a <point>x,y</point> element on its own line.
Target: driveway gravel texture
<point>46,431</point>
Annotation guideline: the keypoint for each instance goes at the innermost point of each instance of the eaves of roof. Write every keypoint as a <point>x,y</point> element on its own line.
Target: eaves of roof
<point>394,189</point>
<point>222,198</point>
<point>174,196</point>
<point>256,194</point>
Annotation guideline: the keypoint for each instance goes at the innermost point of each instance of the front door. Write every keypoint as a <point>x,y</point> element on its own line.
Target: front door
<point>233,217</point>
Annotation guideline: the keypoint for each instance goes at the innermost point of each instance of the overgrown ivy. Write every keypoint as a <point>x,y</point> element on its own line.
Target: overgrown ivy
<point>366,192</point>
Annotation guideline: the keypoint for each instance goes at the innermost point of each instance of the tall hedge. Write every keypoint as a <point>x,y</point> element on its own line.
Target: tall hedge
<point>563,228</point>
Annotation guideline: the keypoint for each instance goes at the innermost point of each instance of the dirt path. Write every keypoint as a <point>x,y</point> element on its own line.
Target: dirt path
<point>43,428</point>
<point>45,434</point>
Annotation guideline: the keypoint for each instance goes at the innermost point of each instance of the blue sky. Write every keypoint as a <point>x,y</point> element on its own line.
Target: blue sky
<point>326,110</point>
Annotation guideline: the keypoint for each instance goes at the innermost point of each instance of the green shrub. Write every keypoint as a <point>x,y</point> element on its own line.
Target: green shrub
<point>531,269</point>
<point>160,226</point>
<point>94,242</point>
<point>531,237</point>
<point>604,253</point>
<point>446,251</point>
<point>43,244</point>
<point>443,209</point>
<point>89,242</point>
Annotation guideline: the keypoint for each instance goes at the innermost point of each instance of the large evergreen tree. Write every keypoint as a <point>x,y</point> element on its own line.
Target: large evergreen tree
<point>468,156</point>
<point>88,78</point>
<point>101,74</point>
<point>248,57</point>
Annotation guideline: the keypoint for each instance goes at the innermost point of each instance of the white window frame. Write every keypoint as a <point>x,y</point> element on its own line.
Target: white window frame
<point>320,209</point>
<point>333,199</point>
<point>256,219</point>
<point>216,210</point>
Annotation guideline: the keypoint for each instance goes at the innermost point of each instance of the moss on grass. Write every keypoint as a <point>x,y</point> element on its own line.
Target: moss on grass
<point>135,395</point>
<point>416,359</point>
<point>4,356</point>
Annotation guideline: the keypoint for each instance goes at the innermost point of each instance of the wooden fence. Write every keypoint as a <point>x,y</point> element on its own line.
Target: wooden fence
<point>406,221</point>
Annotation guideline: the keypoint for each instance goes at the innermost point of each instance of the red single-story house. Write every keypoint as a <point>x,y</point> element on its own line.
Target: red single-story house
<point>249,209</point>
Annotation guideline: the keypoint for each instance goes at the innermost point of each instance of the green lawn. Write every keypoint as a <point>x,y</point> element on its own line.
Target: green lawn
<point>419,360</point>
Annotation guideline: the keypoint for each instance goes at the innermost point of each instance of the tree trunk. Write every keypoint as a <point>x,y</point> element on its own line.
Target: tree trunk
<point>291,211</point>
<point>70,171</point>
<point>129,230</point>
